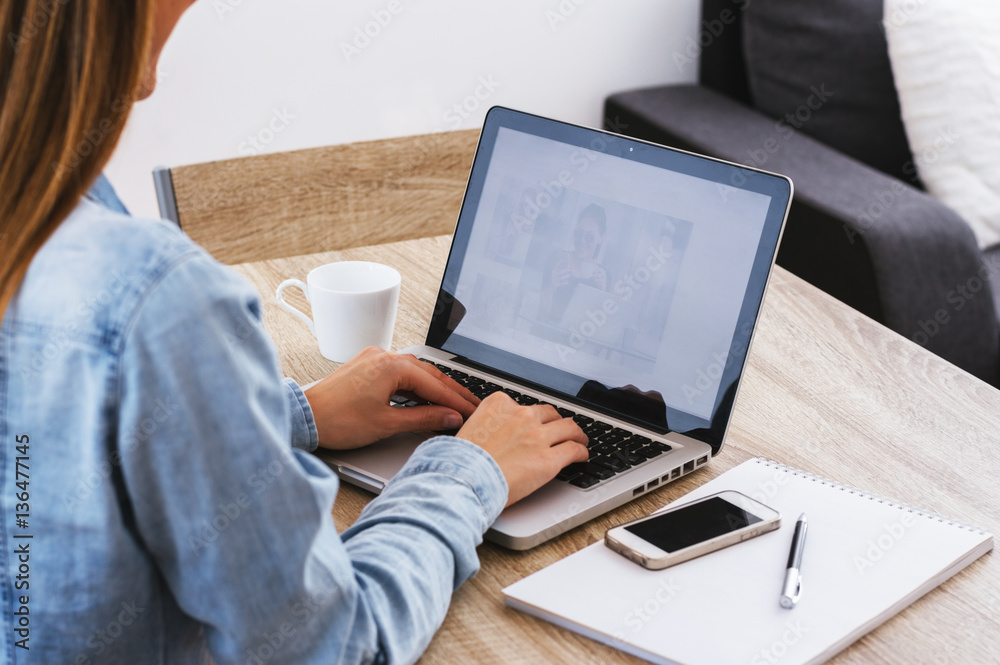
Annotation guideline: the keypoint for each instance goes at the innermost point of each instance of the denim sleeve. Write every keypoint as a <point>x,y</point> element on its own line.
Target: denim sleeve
<point>304,434</point>
<point>239,522</point>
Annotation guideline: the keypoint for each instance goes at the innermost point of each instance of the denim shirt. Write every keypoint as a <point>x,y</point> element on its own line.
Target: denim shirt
<point>159,502</point>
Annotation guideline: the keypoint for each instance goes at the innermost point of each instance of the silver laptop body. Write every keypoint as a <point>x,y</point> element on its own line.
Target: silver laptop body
<point>619,281</point>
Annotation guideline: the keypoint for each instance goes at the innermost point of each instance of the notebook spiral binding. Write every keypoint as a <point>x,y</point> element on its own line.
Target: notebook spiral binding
<point>869,495</point>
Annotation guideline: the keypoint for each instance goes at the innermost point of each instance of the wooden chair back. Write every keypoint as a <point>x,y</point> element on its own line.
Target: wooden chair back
<point>321,199</point>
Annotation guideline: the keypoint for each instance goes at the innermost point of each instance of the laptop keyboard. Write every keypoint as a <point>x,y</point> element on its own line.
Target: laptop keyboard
<point>613,450</point>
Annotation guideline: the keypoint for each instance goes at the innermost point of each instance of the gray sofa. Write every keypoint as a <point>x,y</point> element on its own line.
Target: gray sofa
<point>805,89</point>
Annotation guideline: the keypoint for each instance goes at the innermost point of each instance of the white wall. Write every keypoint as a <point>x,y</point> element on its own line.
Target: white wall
<point>242,76</point>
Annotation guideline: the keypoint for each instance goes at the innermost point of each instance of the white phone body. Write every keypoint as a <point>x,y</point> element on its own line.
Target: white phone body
<point>690,530</point>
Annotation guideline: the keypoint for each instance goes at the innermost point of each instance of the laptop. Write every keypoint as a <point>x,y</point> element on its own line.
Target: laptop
<point>619,281</point>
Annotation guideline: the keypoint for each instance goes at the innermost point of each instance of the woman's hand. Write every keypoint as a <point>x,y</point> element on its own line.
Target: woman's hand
<point>562,272</point>
<point>351,406</point>
<point>599,278</point>
<point>529,443</point>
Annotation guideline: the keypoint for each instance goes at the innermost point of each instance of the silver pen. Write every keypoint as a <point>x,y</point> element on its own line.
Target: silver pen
<point>792,590</point>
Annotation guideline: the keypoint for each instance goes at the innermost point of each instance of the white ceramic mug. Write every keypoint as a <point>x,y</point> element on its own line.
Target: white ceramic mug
<point>353,306</point>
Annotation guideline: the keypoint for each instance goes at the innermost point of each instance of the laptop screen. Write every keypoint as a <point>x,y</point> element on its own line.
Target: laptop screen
<point>623,276</point>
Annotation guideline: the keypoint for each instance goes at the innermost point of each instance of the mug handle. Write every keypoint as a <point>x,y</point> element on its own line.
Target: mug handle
<point>288,308</point>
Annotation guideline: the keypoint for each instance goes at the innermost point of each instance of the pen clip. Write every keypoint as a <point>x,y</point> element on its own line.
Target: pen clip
<point>792,590</point>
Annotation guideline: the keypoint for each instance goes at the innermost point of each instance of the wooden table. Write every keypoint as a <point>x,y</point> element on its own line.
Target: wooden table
<point>827,390</point>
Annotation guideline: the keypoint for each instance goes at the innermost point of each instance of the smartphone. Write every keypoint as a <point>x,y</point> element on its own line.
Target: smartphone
<point>690,530</point>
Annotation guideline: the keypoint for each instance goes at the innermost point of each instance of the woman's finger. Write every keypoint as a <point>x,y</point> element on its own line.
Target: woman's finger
<point>445,379</point>
<point>546,412</point>
<point>423,418</point>
<point>566,453</point>
<point>424,385</point>
<point>564,429</point>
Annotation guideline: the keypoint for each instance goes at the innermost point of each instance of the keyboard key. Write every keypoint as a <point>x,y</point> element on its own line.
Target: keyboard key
<point>629,458</point>
<point>582,420</point>
<point>602,449</point>
<point>662,447</point>
<point>485,390</point>
<point>647,452</point>
<point>398,399</point>
<point>613,437</point>
<point>584,481</point>
<point>598,472</point>
<point>594,430</point>
<point>613,463</point>
<point>644,440</point>
<point>526,400</point>
<point>455,374</point>
<point>565,413</point>
<point>513,394</point>
<point>571,471</point>
<point>630,445</point>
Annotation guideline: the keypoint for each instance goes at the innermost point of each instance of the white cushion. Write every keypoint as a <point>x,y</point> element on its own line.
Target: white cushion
<point>945,57</point>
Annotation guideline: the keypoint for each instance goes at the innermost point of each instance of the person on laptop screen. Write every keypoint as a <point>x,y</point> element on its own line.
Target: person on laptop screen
<point>564,270</point>
<point>159,503</point>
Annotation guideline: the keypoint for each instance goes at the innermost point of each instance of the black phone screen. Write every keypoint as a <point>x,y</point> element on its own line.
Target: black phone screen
<point>693,524</point>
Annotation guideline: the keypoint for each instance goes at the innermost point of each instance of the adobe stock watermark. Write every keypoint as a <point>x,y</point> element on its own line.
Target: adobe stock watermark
<point>256,143</point>
<point>615,125</point>
<point>708,377</point>
<point>31,25</point>
<point>626,287</point>
<point>878,547</point>
<point>640,615</point>
<point>584,501</point>
<point>58,340</point>
<point>773,653</point>
<point>99,641</point>
<point>957,298</point>
<point>562,13</point>
<point>883,200</point>
<point>711,29</point>
<point>161,411</point>
<point>228,513</point>
<point>768,489</point>
<point>471,103</point>
<point>91,139</point>
<point>785,129</point>
<point>900,15</point>
<point>366,34</point>
<point>303,611</point>
<point>548,191</point>
<point>486,85</point>
<point>786,126</point>
<point>225,7</point>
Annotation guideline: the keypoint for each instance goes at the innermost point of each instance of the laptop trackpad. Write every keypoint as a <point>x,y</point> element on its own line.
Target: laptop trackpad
<point>371,467</point>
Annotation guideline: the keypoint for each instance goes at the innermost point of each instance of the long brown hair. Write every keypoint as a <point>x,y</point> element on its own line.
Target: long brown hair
<point>70,71</point>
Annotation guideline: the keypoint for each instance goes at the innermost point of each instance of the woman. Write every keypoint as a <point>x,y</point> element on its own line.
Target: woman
<point>159,503</point>
<point>564,270</point>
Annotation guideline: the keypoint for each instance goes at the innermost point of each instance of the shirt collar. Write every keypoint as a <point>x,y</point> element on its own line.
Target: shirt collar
<point>102,193</point>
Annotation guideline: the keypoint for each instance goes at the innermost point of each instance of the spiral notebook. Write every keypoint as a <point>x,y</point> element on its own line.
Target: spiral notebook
<point>866,558</point>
